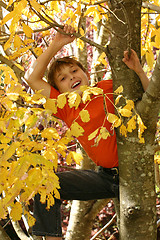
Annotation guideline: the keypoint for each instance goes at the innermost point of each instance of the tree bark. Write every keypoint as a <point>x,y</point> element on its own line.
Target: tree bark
<point>136,160</point>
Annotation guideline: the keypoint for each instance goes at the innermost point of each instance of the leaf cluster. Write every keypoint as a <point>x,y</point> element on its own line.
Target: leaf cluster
<point>29,154</point>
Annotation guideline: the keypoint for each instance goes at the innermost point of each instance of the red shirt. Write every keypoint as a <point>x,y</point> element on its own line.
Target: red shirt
<point>105,154</point>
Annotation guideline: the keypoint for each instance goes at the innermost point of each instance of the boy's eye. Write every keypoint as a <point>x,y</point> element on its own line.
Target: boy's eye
<point>75,70</point>
<point>63,79</point>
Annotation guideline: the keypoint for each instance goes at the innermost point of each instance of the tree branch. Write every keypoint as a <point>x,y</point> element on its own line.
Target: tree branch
<point>105,226</point>
<point>151,6</point>
<point>19,73</point>
<point>57,27</point>
<point>151,97</point>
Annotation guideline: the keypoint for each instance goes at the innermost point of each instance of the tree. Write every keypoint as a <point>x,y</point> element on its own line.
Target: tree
<point>137,200</point>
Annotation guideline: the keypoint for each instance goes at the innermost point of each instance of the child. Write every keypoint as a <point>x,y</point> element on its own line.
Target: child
<point>67,75</point>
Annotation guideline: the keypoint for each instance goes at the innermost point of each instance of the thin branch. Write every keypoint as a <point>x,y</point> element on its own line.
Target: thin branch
<point>128,28</point>
<point>19,73</point>
<point>109,10</point>
<point>151,6</point>
<point>4,5</point>
<point>57,27</point>
<point>105,226</point>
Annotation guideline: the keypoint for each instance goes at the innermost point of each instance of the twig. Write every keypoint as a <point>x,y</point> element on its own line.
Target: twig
<point>128,28</point>
<point>151,6</point>
<point>105,226</point>
<point>58,28</point>
<point>109,10</point>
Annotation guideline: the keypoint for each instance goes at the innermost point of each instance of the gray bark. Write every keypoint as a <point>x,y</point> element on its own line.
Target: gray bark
<point>136,160</point>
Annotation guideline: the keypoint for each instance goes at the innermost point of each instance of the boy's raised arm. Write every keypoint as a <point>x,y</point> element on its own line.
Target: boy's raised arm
<point>35,80</point>
<point>133,63</point>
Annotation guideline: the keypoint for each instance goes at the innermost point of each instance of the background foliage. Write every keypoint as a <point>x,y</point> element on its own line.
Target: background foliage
<point>27,127</point>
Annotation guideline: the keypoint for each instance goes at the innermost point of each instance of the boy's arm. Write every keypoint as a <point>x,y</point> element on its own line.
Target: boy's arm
<point>133,63</point>
<point>35,80</point>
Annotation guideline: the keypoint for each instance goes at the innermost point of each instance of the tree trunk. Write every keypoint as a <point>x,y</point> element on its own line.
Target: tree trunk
<point>136,160</point>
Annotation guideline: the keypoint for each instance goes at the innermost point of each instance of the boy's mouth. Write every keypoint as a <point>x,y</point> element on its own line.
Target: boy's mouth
<point>75,84</point>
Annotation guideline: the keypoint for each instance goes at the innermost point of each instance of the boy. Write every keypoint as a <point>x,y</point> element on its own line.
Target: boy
<point>67,75</point>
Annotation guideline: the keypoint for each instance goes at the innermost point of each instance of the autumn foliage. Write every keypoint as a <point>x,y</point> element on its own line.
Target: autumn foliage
<point>28,153</point>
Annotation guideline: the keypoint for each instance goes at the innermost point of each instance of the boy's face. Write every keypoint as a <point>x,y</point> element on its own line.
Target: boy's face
<point>70,78</point>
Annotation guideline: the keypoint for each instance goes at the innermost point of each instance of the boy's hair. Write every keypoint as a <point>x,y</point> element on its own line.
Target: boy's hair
<point>58,64</point>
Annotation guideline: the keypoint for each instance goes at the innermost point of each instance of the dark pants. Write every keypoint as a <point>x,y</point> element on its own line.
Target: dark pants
<point>75,185</point>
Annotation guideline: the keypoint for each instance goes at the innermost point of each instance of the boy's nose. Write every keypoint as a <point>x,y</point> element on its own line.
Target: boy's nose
<point>71,77</point>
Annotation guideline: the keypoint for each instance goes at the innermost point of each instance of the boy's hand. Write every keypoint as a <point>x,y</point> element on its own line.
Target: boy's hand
<point>63,38</point>
<point>133,61</point>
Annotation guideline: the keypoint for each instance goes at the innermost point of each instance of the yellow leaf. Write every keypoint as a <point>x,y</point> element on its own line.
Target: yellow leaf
<point>84,114</point>
<point>96,90</point>
<point>3,210</point>
<point>89,11</point>
<point>150,58</point>
<point>21,166</point>
<point>51,104</point>
<point>27,30</point>
<point>97,140</point>
<point>50,133</point>
<point>76,130</point>
<point>30,219</point>
<point>97,16</point>
<point>104,133</point>
<point>80,44</point>
<point>2,126</point>
<point>19,52</point>
<point>141,128</point>
<point>74,99</point>
<point>50,201</point>
<point>8,104</point>
<point>81,31</point>
<point>10,3</point>
<point>38,51</point>
<point>55,6</point>
<point>123,130</point>
<point>10,151</point>
<point>36,5</point>
<point>93,134</point>
<point>16,212</point>
<point>129,105</point>
<point>61,100</point>
<point>4,139</point>
<point>86,96</point>
<point>131,125</point>
<point>38,97</point>
<point>77,157</point>
<point>125,112</point>
<point>61,147</point>
<point>31,121</point>
<point>56,194</point>
<point>69,159</point>
<point>17,41</point>
<point>117,99</point>
<point>119,90</point>
<point>7,44</point>
<point>7,17</point>
<point>112,118</point>
<point>51,155</point>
